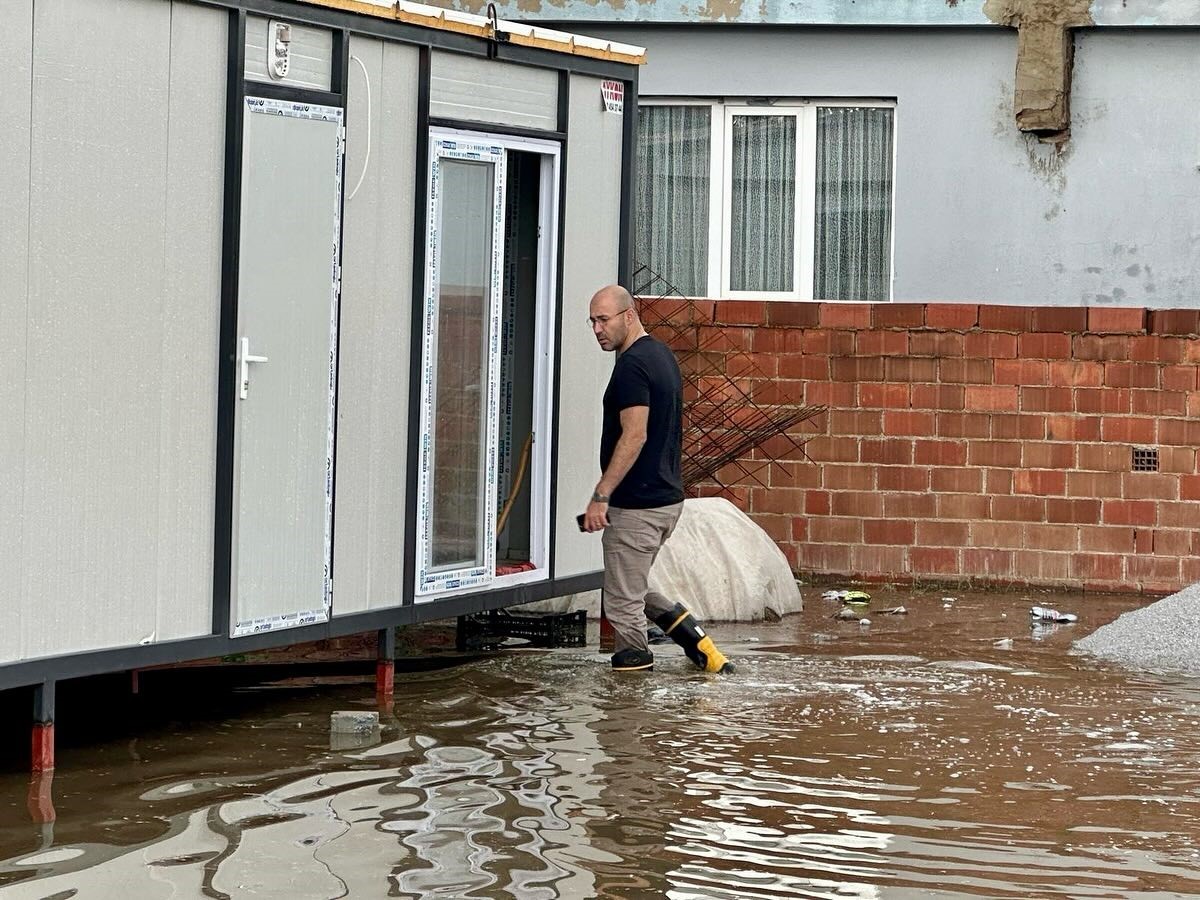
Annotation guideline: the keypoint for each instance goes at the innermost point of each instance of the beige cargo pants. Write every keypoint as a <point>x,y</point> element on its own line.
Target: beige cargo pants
<point>631,544</point>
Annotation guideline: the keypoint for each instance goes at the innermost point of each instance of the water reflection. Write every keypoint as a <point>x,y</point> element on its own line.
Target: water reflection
<point>913,758</point>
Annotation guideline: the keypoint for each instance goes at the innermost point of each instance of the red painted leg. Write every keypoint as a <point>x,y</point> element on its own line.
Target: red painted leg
<point>40,801</point>
<point>385,683</point>
<point>43,747</point>
<point>608,637</point>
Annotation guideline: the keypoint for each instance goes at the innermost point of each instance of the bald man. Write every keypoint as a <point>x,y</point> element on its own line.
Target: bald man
<point>640,494</point>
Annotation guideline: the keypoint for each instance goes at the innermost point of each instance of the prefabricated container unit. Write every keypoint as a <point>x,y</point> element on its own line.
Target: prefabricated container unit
<point>293,305</point>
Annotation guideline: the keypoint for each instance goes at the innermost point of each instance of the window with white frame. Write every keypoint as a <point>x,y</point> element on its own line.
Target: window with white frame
<point>787,200</point>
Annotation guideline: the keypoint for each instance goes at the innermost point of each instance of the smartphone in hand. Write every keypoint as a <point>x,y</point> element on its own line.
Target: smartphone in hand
<point>579,519</point>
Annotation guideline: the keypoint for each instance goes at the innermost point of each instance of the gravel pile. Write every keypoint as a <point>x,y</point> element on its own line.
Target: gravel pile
<point>1163,637</point>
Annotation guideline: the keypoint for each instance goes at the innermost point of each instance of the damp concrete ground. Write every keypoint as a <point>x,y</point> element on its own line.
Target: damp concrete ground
<point>955,751</point>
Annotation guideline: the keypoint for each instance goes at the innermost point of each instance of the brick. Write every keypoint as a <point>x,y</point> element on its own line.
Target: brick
<point>739,497</point>
<point>793,314</point>
<point>887,531</point>
<point>943,534</point>
<point>845,315</point>
<point>1143,540</point>
<point>1130,375</point>
<point>881,343</point>
<point>952,316</point>
<point>941,453</point>
<point>830,393</point>
<point>1020,371</point>
<point>1150,486</point>
<point>1046,399</point>
<point>915,422</point>
<point>987,563</point>
<point>1043,345</point>
<point>1024,427</point>
<point>794,474</point>
<point>1044,455</point>
<point>994,453</point>
<point>1189,487</point>
<point>1005,318</point>
<point>864,422</point>
<point>898,315</point>
<point>1174,515</point>
<point>909,506</point>
<point>1042,565</point>
<point>963,425</point>
<point>1103,400</point>
<point>902,478</point>
<point>777,501</point>
<point>817,503</point>
<point>1051,537</point>
<point>1128,430</point>
<point>827,341</point>
<point>935,343</point>
<point>990,345</point>
<point>1100,458</point>
<point>1175,321</point>
<point>1178,460</point>
<point>1059,318</point>
<point>780,391</point>
<point>1117,321</point>
<point>998,535</point>
<point>1154,349</point>
<point>1043,482</point>
<point>769,340</point>
<point>883,396</point>
<point>805,367</point>
<point>1073,428</point>
<point>1097,347</point>
<point>1075,373</point>
<point>1166,542</point>
<point>857,368</point>
<point>779,528</point>
<point>937,396</point>
<point>972,507</point>
<point>1181,432</point>
<point>1103,567</point>
<point>1106,539</point>
<point>997,481</point>
<point>1179,378</point>
<point>863,504</point>
<point>741,312</point>
<point>680,341</point>
<point>1154,573</point>
<point>717,339</point>
<point>1079,512</point>
<point>956,480</point>
<point>752,365</point>
<point>1019,509</point>
<point>934,560</point>
<point>965,371</point>
<point>1094,484</point>
<point>800,528</point>
<point>831,449</point>
<point>831,559</point>
<point>992,398</point>
<point>1193,403</point>
<point>1129,512</point>
<point>829,530</point>
<point>907,369</point>
<point>888,451</point>
<point>1161,402</point>
<point>849,478</point>
<point>879,560</point>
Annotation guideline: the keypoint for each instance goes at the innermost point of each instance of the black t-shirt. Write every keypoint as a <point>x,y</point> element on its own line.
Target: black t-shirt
<point>647,375</point>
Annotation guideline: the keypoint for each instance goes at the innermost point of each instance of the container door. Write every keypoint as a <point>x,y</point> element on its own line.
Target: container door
<point>460,396</point>
<point>286,365</point>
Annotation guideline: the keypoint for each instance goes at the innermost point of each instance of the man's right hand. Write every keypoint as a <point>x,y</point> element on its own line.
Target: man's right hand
<point>596,516</point>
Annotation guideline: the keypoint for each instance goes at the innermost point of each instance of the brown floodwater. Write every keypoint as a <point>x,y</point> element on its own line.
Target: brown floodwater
<point>913,757</point>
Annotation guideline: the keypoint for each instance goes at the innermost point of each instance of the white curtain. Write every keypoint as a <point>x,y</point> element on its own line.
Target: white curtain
<point>671,221</point>
<point>854,204</point>
<point>763,205</point>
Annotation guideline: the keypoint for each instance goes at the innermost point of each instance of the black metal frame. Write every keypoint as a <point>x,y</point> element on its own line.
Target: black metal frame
<point>44,672</point>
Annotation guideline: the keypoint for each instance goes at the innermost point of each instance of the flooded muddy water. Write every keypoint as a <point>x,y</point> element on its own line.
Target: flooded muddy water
<point>920,756</point>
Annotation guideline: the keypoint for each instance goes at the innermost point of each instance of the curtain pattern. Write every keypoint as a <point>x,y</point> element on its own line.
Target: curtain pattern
<point>763,205</point>
<point>671,220</point>
<point>854,204</point>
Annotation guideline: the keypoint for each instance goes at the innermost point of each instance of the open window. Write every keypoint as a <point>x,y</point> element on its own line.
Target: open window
<point>483,516</point>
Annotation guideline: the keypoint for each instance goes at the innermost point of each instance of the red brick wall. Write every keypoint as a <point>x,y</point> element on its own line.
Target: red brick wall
<point>971,441</point>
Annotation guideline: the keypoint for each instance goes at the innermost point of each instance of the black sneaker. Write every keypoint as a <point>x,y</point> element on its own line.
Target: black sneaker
<point>632,659</point>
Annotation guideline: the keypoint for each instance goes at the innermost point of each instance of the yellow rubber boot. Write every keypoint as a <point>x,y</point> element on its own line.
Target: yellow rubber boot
<point>681,626</point>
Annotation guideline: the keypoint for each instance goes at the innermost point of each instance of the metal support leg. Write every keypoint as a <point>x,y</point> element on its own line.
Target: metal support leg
<point>608,636</point>
<point>43,727</point>
<point>385,670</point>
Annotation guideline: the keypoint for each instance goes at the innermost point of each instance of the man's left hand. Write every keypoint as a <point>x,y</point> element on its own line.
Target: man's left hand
<point>596,516</point>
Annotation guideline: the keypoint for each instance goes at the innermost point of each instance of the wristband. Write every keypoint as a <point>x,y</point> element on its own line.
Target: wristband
<point>598,497</point>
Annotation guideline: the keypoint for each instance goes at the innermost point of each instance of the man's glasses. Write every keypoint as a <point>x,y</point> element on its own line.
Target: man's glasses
<point>604,320</point>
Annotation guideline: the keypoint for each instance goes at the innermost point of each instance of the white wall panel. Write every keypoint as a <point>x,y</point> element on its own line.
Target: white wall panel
<point>118,417</point>
<point>15,50</point>
<point>376,306</point>
<point>590,259</point>
<point>482,90</point>
<point>311,55</point>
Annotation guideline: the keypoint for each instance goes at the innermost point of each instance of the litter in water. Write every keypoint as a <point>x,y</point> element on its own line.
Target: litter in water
<point>1046,614</point>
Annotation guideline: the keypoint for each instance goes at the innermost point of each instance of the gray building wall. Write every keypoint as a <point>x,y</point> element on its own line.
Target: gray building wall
<point>109,302</point>
<point>376,310</point>
<point>982,211</point>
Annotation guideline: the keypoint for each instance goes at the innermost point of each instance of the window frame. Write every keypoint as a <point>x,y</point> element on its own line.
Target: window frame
<point>721,173</point>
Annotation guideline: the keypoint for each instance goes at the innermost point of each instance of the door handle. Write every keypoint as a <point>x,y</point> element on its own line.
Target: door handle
<point>244,360</point>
